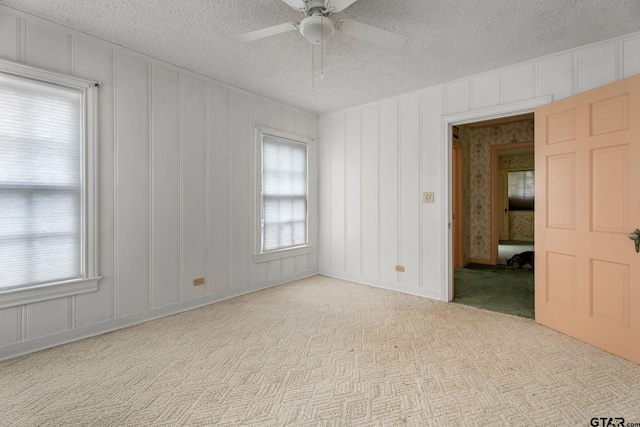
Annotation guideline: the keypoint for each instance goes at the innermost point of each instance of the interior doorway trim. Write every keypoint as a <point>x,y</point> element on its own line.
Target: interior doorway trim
<point>457,190</point>
<point>504,110</point>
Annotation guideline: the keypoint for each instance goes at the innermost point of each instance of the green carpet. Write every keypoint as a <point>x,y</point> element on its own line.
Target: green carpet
<point>496,288</point>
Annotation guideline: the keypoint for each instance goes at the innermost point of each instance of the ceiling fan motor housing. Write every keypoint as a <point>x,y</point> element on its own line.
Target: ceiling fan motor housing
<point>317,29</point>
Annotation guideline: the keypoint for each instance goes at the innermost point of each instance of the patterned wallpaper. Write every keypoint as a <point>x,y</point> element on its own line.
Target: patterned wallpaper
<point>466,186</point>
<point>477,212</point>
<point>521,225</point>
<point>516,161</point>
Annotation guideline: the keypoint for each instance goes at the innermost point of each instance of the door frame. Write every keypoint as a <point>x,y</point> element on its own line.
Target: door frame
<point>503,203</point>
<point>493,161</point>
<point>504,110</point>
<point>457,198</point>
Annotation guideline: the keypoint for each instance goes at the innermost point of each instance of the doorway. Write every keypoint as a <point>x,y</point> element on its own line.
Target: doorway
<point>492,214</point>
<point>448,122</point>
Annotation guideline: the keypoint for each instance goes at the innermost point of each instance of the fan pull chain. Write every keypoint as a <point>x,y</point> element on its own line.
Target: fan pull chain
<point>321,46</point>
<point>313,69</point>
<point>322,49</point>
<point>322,61</point>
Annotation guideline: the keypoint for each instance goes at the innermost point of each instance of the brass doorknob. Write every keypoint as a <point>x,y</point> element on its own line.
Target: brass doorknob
<point>635,236</point>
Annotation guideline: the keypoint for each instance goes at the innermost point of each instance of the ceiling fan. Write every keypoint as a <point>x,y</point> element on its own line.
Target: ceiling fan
<point>318,28</point>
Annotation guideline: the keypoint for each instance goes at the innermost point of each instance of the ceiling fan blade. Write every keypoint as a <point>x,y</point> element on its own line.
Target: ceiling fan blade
<point>266,32</point>
<point>338,5</point>
<point>296,4</point>
<point>371,34</point>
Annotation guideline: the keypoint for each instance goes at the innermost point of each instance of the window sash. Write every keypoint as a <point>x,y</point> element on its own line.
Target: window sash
<point>42,236</point>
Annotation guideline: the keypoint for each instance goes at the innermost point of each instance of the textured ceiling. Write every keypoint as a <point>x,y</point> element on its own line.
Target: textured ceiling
<point>448,39</point>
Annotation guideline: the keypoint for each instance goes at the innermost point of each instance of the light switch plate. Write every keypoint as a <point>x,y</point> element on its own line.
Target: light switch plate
<point>428,197</point>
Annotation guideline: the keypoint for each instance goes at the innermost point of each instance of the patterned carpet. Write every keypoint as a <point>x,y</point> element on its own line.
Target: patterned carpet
<point>322,352</point>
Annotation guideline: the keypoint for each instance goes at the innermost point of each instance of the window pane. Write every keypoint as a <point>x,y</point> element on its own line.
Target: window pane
<point>29,212</point>
<point>40,133</point>
<point>284,193</point>
<point>41,259</point>
<point>521,190</point>
<point>40,182</point>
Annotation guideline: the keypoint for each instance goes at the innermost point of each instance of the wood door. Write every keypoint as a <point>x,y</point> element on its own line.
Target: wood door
<point>587,278</point>
<point>503,204</point>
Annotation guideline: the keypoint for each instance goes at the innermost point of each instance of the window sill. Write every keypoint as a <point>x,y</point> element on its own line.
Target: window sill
<point>282,253</point>
<point>22,296</point>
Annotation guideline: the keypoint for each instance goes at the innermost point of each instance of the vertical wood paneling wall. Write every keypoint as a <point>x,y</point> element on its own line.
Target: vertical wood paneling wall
<point>176,187</point>
<point>377,159</point>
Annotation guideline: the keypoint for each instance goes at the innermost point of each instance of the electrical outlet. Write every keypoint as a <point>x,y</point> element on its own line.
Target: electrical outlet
<point>428,197</point>
<point>400,268</point>
<point>198,282</point>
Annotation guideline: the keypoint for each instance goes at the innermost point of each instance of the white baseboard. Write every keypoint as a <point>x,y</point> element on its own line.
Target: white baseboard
<point>376,283</point>
<point>37,344</point>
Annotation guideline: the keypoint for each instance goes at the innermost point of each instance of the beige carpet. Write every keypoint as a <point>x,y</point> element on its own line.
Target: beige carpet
<point>321,351</point>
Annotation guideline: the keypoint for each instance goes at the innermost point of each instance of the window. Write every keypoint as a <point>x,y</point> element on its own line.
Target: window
<point>283,191</point>
<point>47,213</point>
<point>521,190</point>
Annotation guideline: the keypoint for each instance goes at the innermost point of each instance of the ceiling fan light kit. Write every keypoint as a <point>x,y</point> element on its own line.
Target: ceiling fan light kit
<point>317,29</point>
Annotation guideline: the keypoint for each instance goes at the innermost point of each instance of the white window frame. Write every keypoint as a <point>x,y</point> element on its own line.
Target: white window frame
<point>11,297</point>
<point>259,254</point>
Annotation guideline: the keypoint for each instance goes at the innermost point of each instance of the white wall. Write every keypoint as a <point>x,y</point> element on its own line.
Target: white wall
<point>377,159</point>
<point>176,167</point>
